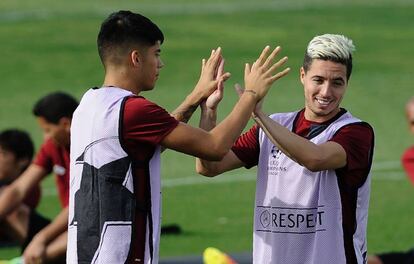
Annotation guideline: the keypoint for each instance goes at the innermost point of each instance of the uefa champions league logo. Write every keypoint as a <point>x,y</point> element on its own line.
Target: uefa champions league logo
<point>265,218</point>
<point>274,152</point>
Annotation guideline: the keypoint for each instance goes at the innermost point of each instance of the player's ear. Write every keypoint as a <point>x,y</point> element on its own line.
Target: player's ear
<point>302,75</point>
<point>135,57</point>
<point>65,122</point>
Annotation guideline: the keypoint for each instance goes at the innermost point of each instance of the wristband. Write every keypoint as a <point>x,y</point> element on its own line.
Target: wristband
<point>250,91</point>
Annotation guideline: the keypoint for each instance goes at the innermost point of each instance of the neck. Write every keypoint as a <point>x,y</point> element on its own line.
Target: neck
<point>121,80</point>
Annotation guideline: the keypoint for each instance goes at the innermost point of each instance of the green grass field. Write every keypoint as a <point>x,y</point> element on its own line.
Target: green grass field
<point>50,45</point>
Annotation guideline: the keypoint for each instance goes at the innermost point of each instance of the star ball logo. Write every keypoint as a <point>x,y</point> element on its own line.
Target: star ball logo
<point>265,218</point>
<point>274,151</point>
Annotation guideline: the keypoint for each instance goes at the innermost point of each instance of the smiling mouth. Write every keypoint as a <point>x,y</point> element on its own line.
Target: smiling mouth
<point>323,102</point>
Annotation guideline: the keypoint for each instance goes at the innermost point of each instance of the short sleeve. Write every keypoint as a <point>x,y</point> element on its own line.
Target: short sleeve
<point>358,142</point>
<point>44,157</point>
<point>247,147</point>
<point>145,121</point>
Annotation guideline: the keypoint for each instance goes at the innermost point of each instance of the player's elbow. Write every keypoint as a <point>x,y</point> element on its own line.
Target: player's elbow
<point>313,164</point>
<point>14,192</point>
<point>206,171</point>
<point>220,153</point>
<point>313,168</point>
<point>216,153</point>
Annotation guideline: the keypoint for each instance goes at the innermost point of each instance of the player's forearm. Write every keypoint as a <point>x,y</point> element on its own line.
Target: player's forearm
<point>208,118</point>
<point>55,228</point>
<point>225,134</point>
<point>297,148</point>
<point>15,193</point>
<point>10,198</point>
<point>260,123</point>
<point>57,249</point>
<point>186,109</point>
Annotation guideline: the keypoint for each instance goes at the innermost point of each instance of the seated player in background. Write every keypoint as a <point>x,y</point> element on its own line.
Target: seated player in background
<point>16,153</point>
<point>54,116</point>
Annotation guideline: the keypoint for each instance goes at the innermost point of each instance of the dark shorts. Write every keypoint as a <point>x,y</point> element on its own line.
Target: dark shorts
<point>406,257</point>
<point>36,223</point>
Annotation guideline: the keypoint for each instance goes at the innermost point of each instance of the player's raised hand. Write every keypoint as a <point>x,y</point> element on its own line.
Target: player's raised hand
<point>260,76</point>
<point>212,74</point>
<point>214,99</point>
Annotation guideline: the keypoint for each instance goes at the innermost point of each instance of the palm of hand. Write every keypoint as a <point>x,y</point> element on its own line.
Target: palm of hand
<point>214,99</point>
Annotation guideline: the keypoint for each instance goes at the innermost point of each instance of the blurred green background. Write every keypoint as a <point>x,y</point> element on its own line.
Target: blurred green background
<point>48,45</point>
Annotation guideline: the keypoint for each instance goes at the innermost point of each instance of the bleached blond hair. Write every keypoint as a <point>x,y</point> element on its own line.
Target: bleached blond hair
<point>332,47</point>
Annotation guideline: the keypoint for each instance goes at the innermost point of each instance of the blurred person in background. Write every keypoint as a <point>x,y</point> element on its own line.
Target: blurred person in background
<point>407,160</point>
<point>408,156</point>
<point>16,153</point>
<point>54,116</point>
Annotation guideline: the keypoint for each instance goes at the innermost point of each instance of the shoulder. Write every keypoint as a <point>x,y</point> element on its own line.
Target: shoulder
<point>138,109</point>
<point>48,146</point>
<point>145,120</point>
<point>45,154</point>
<point>348,122</point>
<point>139,103</point>
<point>357,139</point>
<point>357,130</point>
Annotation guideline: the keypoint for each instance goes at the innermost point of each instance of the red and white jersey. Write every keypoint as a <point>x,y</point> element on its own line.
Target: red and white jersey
<point>102,201</point>
<point>298,215</point>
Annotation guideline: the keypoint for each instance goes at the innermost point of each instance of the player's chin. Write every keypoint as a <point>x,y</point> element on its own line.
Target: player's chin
<point>149,88</point>
<point>322,111</point>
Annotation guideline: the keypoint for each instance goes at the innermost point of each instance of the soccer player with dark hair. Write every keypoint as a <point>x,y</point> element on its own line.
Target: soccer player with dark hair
<point>117,136</point>
<point>55,106</point>
<point>54,114</point>
<point>17,150</point>
<point>313,179</point>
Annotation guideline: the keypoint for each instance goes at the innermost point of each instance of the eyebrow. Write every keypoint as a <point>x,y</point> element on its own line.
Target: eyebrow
<point>335,79</point>
<point>339,79</point>
<point>318,76</point>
